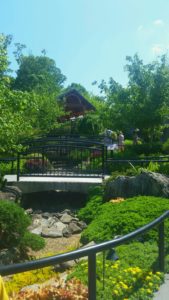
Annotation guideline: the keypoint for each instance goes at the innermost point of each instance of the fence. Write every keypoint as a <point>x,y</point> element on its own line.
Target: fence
<point>91,252</point>
<point>60,158</point>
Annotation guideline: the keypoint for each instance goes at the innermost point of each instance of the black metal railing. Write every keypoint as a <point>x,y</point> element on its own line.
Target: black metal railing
<point>91,252</point>
<point>111,163</point>
<point>66,159</point>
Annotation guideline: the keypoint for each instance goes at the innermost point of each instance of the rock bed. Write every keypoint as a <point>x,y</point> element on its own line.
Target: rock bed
<point>55,224</point>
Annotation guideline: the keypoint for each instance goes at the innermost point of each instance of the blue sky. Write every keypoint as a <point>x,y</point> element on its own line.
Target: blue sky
<point>88,39</point>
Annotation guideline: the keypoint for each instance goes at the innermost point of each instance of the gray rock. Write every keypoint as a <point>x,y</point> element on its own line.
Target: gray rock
<point>14,190</point>
<point>82,224</point>
<point>37,230</point>
<point>7,196</point>
<point>66,218</point>
<point>67,232</point>
<point>29,211</point>
<point>74,228</point>
<point>146,183</point>
<point>65,266</point>
<point>46,215</point>
<point>51,221</point>
<point>67,211</point>
<point>54,231</point>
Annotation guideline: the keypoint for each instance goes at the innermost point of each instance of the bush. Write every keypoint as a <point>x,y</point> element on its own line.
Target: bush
<point>13,229</point>
<point>90,211</point>
<point>122,218</point>
<point>165,146</point>
<point>121,282</point>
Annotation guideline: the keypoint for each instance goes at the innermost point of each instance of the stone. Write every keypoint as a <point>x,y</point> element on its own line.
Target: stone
<point>82,224</point>
<point>52,221</point>
<point>49,225</point>
<point>37,230</point>
<point>67,232</point>
<point>54,231</point>
<point>46,215</point>
<point>74,228</point>
<point>65,266</point>
<point>66,218</point>
<point>7,196</point>
<point>67,211</point>
<point>145,184</point>
<point>14,190</point>
<point>29,211</point>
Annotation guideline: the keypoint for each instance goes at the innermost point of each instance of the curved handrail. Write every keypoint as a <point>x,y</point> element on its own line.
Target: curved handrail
<point>45,262</point>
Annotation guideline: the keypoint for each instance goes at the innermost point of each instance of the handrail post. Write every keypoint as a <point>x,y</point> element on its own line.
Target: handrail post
<point>161,247</point>
<point>92,276</point>
<point>18,166</point>
<point>103,162</point>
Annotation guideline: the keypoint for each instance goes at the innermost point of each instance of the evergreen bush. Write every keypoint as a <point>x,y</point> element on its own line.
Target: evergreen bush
<point>90,211</point>
<point>13,229</point>
<point>121,218</point>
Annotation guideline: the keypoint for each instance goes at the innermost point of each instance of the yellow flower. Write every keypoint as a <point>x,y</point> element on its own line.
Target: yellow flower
<point>149,291</point>
<point>115,292</point>
<point>125,286</point>
<point>150,284</point>
<point>148,277</point>
<point>158,273</point>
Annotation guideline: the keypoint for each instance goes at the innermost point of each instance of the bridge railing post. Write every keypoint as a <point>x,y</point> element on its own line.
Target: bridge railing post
<point>18,166</point>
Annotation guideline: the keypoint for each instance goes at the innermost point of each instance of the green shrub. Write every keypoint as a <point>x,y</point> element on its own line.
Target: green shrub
<point>165,146</point>
<point>121,282</point>
<point>95,199</point>
<point>33,241</point>
<point>13,229</point>
<point>124,217</point>
<point>142,255</point>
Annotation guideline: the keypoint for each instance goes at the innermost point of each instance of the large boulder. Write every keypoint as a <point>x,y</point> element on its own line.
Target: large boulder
<point>12,193</point>
<point>146,183</point>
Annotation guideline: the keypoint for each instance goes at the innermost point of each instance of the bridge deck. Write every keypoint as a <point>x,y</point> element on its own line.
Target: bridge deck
<point>13,178</point>
<point>37,184</point>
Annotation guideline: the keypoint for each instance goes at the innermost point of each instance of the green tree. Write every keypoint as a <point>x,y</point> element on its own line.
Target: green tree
<point>38,73</point>
<point>149,95</point>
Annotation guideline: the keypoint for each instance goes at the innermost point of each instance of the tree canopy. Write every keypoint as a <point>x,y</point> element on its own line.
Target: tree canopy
<point>38,73</point>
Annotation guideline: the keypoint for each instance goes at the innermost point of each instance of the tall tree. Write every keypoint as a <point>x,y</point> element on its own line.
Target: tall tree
<point>38,73</point>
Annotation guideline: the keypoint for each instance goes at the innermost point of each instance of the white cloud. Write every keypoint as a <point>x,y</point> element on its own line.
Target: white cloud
<point>158,22</point>
<point>157,49</point>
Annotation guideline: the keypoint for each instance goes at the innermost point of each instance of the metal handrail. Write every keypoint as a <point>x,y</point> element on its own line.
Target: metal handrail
<point>91,253</point>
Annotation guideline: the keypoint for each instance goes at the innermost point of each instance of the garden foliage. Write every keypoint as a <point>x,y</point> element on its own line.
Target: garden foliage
<point>95,199</point>
<point>13,229</point>
<point>120,282</point>
<point>122,218</point>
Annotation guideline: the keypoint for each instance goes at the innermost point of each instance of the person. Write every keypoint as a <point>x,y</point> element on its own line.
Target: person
<point>121,141</point>
<point>135,137</point>
<point>3,293</point>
